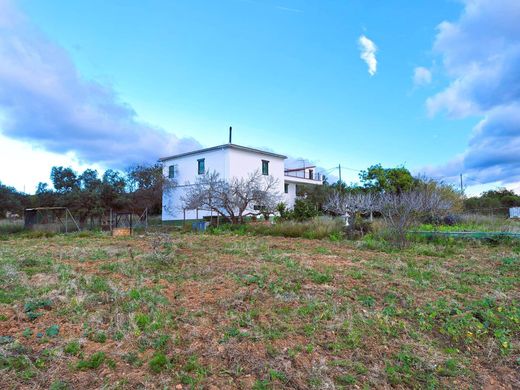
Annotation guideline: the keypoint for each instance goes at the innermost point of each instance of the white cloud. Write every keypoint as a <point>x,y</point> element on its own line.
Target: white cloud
<point>481,55</point>
<point>44,101</point>
<point>422,76</point>
<point>368,53</point>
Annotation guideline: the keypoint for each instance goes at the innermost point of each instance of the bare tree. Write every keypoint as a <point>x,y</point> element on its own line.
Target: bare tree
<point>402,211</point>
<point>236,198</point>
<point>399,210</point>
<point>348,204</point>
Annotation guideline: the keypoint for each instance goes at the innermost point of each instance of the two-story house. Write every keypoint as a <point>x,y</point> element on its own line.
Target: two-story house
<point>230,161</point>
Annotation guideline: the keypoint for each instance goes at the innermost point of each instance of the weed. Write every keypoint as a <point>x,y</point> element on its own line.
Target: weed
<point>320,277</point>
<point>95,360</point>
<point>52,331</point>
<point>346,379</point>
<point>98,337</point>
<point>133,359</point>
<point>142,321</point>
<point>98,285</point>
<point>158,362</point>
<point>72,348</point>
<point>367,300</point>
<point>59,385</point>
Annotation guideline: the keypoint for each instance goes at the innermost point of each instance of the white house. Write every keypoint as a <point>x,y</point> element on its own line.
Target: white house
<point>229,161</point>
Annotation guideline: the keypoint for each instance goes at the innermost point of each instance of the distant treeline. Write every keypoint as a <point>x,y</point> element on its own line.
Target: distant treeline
<point>90,195</point>
<point>492,202</point>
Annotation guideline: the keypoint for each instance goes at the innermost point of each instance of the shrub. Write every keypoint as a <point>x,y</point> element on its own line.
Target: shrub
<point>358,227</point>
<point>303,210</point>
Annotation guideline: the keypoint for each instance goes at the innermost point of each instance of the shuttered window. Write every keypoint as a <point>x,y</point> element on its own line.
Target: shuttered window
<point>265,167</point>
<point>172,171</point>
<point>201,166</point>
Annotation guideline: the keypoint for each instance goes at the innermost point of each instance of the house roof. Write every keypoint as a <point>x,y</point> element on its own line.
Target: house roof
<point>225,146</point>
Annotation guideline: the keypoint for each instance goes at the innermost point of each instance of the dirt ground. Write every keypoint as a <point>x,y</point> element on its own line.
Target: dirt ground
<point>240,312</point>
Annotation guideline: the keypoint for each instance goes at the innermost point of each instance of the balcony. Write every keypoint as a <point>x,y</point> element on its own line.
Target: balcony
<point>303,175</point>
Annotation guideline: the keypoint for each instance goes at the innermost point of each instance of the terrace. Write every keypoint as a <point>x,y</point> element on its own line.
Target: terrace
<point>303,175</point>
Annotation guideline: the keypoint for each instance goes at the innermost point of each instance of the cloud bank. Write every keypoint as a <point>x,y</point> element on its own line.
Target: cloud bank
<point>46,102</point>
<point>368,54</point>
<point>481,55</point>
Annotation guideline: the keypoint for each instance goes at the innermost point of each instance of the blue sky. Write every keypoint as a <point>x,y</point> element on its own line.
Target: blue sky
<point>287,75</point>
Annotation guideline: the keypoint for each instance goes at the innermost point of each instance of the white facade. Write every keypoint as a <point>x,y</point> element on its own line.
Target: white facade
<point>229,161</point>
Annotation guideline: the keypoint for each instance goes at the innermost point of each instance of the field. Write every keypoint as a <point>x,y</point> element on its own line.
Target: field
<point>174,310</point>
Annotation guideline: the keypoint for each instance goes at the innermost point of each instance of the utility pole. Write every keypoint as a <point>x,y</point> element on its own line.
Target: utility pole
<point>461,186</point>
<point>339,168</point>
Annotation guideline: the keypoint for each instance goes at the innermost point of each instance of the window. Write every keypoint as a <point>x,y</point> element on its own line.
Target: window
<point>172,171</point>
<point>311,174</point>
<point>265,167</point>
<point>200,166</point>
<point>286,188</point>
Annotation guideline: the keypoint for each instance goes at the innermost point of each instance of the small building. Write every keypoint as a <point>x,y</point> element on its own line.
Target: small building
<point>229,161</point>
<point>514,212</point>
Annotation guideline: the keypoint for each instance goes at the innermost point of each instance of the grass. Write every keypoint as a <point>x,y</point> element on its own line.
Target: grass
<point>240,310</point>
<point>477,223</point>
<point>317,228</point>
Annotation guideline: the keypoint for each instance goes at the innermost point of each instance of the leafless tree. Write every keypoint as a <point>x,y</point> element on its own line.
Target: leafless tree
<point>402,211</point>
<point>348,204</point>
<point>399,210</point>
<point>236,198</point>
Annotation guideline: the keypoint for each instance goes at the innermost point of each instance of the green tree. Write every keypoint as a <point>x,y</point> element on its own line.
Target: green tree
<point>10,200</point>
<point>64,179</point>
<point>391,180</point>
<point>146,183</point>
<point>493,201</point>
<point>89,180</point>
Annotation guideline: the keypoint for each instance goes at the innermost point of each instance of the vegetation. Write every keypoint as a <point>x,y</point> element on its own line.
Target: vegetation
<point>89,196</point>
<point>235,198</point>
<point>239,310</point>
<point>495,202</point>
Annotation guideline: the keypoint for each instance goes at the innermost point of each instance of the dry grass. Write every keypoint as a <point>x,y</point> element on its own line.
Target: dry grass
<point>227,311</point>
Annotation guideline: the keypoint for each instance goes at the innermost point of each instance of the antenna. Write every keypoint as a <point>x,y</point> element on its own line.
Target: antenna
<point>230,133</point>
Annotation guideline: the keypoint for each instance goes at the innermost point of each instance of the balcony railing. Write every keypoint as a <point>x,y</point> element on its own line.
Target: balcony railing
<point>307,174</point>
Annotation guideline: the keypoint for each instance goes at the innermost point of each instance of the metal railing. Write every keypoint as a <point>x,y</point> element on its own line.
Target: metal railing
<point>308,175</point>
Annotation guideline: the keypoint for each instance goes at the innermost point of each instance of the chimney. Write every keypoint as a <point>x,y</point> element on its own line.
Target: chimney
<point>230,133</point>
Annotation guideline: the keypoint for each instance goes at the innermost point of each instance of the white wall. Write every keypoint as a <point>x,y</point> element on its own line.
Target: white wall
<point>243,163</point>
<point>186,174</point>
<point>229,163</point>
<point>290,197</point>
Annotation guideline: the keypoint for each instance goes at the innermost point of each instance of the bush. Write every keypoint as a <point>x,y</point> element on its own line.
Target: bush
<point>358,227</point>
<point>303,210</point>
<point>449,220</point>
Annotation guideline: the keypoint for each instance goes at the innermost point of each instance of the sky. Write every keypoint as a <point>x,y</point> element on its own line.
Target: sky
<point>431,85</point>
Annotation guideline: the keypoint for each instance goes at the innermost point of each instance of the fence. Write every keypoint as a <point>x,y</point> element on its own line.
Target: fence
<point>61,219</point>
